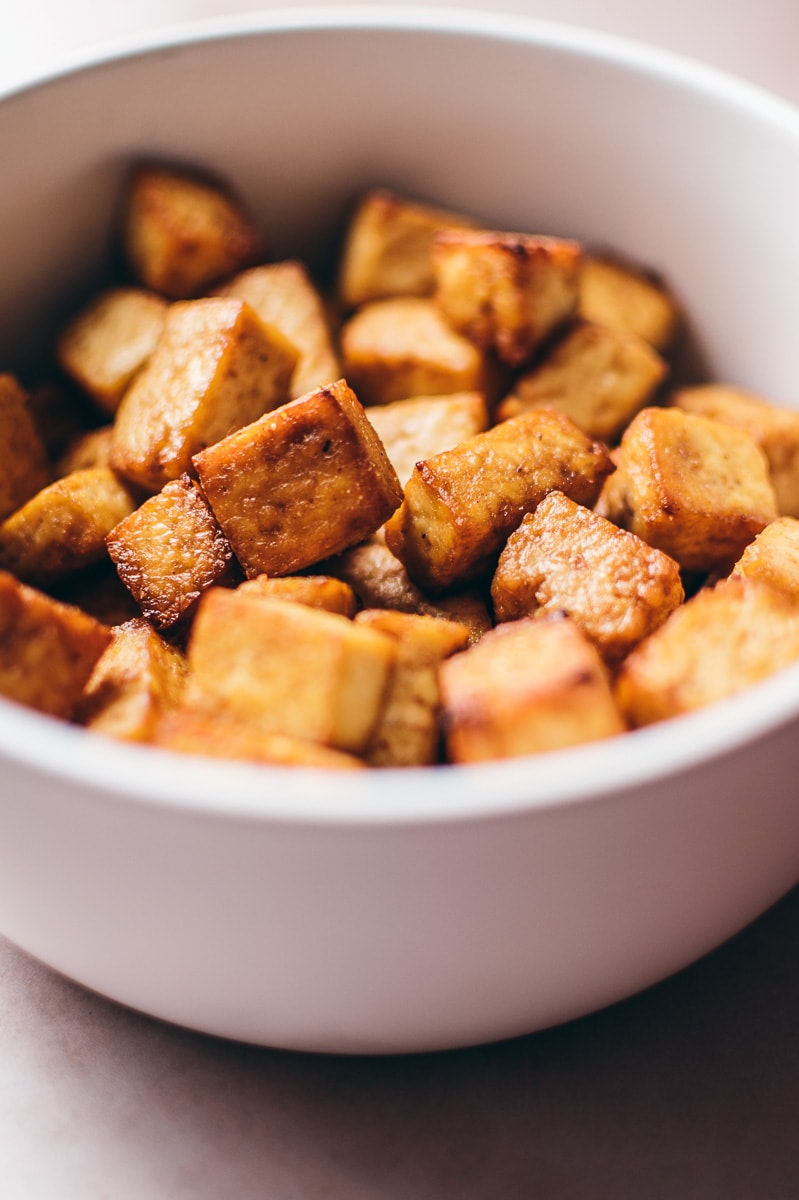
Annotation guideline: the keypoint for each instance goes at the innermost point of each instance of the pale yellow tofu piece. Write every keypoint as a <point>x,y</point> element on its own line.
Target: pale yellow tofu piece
<point>596,375</point>
<point>693,487</point>
<point>722,640</point>
<point>418,428</point>
<point>622,296</point>
<point>64,526</point>
<point>182,232</point>
<point>407,733</point>
<point>216,368</point>
<point>284,296</point>
<point>565,558</point>
<point>775,429</point>
<point>387,249</point>
<point>303,483</point>
<point>506,292</point>
<point>317,591</point>
<point>108,342</point>
<point>47,649</point>
<point>169,551</point>
<point>211,735</point>
<point>24,462</point>
<point>461,506</point>
<point>289,669</point>
<point>395,349</point>
<point>526,687</point>
<point>137,679</point>
<point>86,450</point>
<point>773,556</point>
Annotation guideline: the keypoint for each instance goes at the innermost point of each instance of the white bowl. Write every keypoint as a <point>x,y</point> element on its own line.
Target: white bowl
<point>424,909</point>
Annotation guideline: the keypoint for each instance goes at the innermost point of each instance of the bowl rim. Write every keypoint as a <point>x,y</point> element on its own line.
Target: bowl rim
<point>118,772</point>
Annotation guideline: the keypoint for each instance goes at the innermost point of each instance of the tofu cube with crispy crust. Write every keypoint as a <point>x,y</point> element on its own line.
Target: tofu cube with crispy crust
<point>216,368</point>
<point>108,342</point>
<point>24,461</point>
<point>387,248</point>
<point>693,487</point>
<point>169,551</point>
<point>286,668</point>
<point>722,640</point>
<point>461,506</point>
<point>317,591</point>
<point>284,296</point>
<point>184,731</point>
<point>596,375</point>
<point>565,558</point>
<point>182,232</point>
<point>526,687</point>
<point>47,649</point>
<point>303,483</point>
<point>422,426</point>
<point>394,349</point>
<point>64,526</point>
<point>775,429</point>
<point>773,556</point>
<point>138,678</point>
<point>506,292</point>
<point>407,732</point>
<point>622,296</point>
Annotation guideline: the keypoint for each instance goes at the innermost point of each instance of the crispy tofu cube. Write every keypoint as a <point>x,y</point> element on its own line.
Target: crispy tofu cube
<point>211,735</point>
<point>107,343</point>
<point>285,668</point>
<point>182,232</point>
<point>216,368</point>
<point>169,551</point>
<point>317,591</point>
<point>693,487</point>
<point>138,678</point>
<point>719,642</point>
<point>597,376</point>
<point>24,462</point>
<point>565,558</point>
<point>407,733</point>
<point>422,426</point>
<point>461,506</point>
<point>283,296</point>
<point>622,296</point>
<point>776,431</point>
<point>387,249</point>
<point>301,484</point>
<point>526,687</point>
<point>506,292</point>
<point>773,557</point>
<point>395,349</point>
<point>85,451</point>
<point>63,527</point>
<point>47,649</point>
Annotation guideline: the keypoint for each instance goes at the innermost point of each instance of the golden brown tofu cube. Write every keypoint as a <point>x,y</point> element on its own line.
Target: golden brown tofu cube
<point>773,556</point>
<point>407,733</point>
<point>110,341</point>
<point>211,735</point>
<point>395,349</point>
<point>286,668</point>
<point>526,687</point>
<point>719,642</point>
<point>47,649</point>
<point>776,431</point>
<point>135,681</point>
<point>86,450</point>
<point>565,558</point>
<point>506,292</point>
<point>182,232</point>
<point>63,527</point>
<point>461,506</point>
<point>303,483</point>
<point>418,428</point>
<point>387,250</point>
<point>622,296</point>
<point>597,376</point>
<point>24,462</point>
<point>169,551</point>
<point>283,296</point>
<point>317,591</point>
<point>216,368</point>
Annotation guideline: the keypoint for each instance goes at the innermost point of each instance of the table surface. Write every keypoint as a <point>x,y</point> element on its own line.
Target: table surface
<point>687,1092</point>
